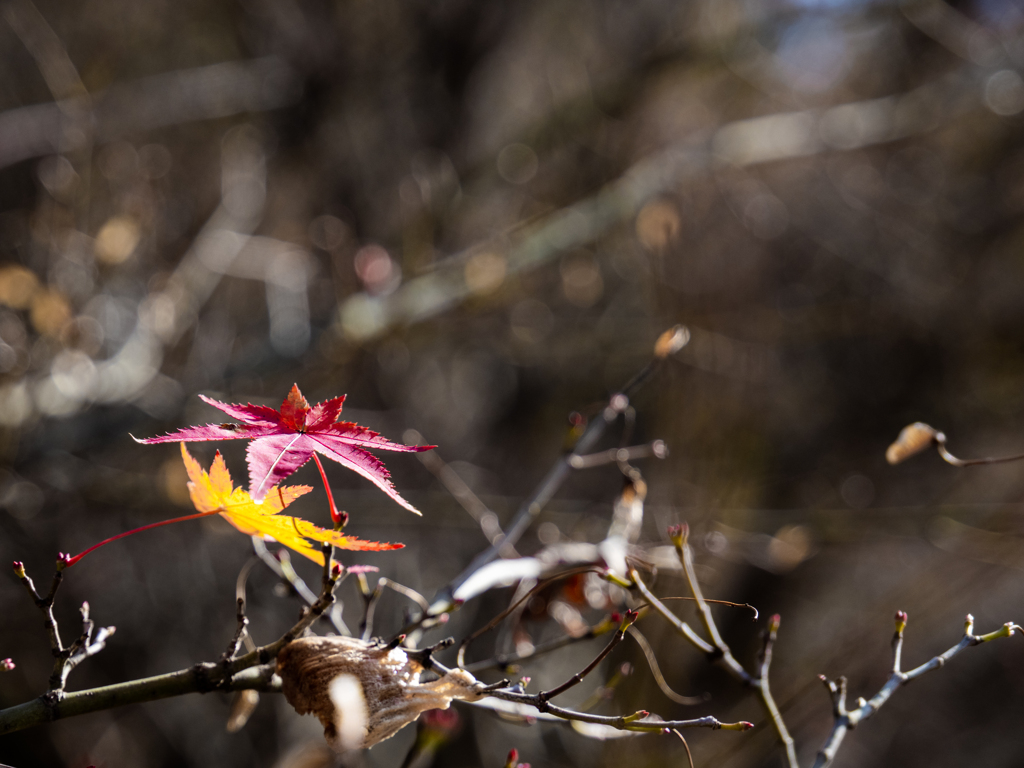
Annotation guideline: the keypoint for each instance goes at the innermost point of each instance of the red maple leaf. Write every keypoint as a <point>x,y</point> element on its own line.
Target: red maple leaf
<point>282,441</point>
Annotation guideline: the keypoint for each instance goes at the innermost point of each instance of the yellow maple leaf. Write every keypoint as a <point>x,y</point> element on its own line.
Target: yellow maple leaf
<point>213,491</point>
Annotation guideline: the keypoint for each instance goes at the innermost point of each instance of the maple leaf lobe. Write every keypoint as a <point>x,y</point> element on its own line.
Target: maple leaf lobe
<point>214,491</point>
<point>282,441</point>
<point>295,410</point>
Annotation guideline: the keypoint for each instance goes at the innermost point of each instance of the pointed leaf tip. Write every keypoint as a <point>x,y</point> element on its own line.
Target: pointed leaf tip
<point>282,441</point>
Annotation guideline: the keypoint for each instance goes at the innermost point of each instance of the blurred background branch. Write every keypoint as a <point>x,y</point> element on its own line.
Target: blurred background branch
<point>475,219</point>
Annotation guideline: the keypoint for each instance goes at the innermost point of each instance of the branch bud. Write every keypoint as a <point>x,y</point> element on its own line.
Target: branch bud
<point>671,341</point>
<point>901,622</point>
<point>912,439</point>
<point>639,715</point>
<point>742,725</point>
<point>513,756</point>
<point>678,534</point>
<point>335,571</point>
<point>968,624</point>
<point>774,622</point>
<point>628,620</point>
<point>1007,630</point>
<point>19,569</point>
<point>6,665</point>
<point>64,560</point>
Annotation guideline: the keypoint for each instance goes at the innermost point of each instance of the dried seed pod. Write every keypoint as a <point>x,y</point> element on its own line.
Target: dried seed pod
<point>393,695</point>
<point>912,439</point>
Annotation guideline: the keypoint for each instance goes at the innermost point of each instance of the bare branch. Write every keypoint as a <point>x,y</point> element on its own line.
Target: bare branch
<point>253,670</point>
<point>847,720</point>
<point>656,449</point>
<point>659,678</point>
<point>918,436</point>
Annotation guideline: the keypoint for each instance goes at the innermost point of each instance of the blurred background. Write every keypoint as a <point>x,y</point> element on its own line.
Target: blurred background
<point>475,219</point>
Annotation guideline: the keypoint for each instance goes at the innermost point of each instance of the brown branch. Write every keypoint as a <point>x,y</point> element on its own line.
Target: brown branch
<point>627,622</point>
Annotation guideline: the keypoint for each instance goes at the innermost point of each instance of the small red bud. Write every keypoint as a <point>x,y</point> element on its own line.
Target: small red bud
<point>616,617</point>
<point>643,713</point>
<point>336,571</point>
<point>513,756</point>
<point>6,664</point>
<point>666,731</point>
<point>19,569</point>
<point>747,725</point>
<point>901,616</point>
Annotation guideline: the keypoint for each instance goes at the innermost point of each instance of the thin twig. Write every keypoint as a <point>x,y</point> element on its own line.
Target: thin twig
<point>679,536</point>
<point>641,721</point>
<point>371,598</point>
<point>64,659</point>
<point>627,622</point>
<point>918,436</point>
<point>240,632</point>
<point>532,506</point>
<point>253,670</point>
<point>501,616</point>
<point>846,720</point>
<point>45,604</point>
<point>461,492</point>
<point>726,659</point>
<point>680,626</point>
<point>280,563</point>
<point>503,661</point>
<point>659,678</point>
<point>689,755</point>
<point>718,651</point>
<point>85,646</point>
<point>656,449</point>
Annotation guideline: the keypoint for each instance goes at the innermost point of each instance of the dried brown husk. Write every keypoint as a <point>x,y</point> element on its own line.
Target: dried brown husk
<point>390,680</point>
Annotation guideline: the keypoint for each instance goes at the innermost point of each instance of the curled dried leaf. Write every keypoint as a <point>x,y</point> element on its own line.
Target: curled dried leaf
<point>912,439</point>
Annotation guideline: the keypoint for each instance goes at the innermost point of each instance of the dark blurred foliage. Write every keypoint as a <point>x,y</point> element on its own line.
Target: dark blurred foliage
<point>475,218</point>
